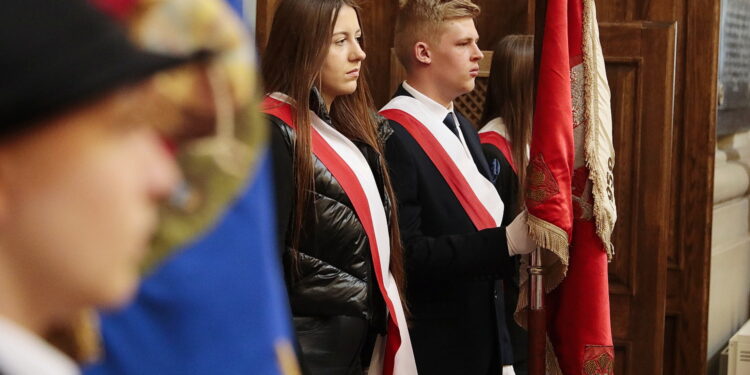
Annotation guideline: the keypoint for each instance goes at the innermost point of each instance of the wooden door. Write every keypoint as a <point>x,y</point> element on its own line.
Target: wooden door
<point>639,58</point>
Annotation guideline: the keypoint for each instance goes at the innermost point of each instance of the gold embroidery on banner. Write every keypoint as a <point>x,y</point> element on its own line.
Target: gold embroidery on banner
<point>577,95</point>
<point>598,360</point>
<point>542,183</point>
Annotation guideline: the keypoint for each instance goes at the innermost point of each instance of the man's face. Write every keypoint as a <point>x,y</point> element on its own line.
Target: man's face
<point>78,203</point>
<point>455,57</point>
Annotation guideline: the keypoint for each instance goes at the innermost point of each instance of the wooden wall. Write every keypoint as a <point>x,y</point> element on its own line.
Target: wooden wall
<point>662,63</point>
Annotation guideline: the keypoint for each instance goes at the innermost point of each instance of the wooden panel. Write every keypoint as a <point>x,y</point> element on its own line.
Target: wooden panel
<point>378,20</point>
<point>670,333</point>
<point>501,18</point>
<point>640,61</point>
<point>694,198</point>
<point>624,75</point>
<point>623,350</point>
<point>614,10</point>
<point>620,302</point>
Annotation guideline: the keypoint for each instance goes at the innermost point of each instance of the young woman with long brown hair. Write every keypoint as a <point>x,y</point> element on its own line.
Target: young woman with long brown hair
<point>343,255</point>
<point>505,137</point>
<point>508,111</point>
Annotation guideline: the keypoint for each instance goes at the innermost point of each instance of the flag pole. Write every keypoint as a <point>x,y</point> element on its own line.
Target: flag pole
<point>537,318</point>
<point>536,315</point>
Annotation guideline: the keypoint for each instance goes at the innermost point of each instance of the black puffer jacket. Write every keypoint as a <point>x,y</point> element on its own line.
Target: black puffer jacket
<point>337,306</point>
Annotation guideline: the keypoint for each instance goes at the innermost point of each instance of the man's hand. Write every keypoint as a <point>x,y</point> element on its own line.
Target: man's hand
<point>517,234</point>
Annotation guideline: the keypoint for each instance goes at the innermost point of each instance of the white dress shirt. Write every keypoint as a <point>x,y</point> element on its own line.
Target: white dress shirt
<point>24,353</point>
<point>438,110</point>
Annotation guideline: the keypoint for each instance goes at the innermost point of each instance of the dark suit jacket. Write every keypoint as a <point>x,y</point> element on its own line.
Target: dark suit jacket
<point>450,266</point>
<point>506,183</point>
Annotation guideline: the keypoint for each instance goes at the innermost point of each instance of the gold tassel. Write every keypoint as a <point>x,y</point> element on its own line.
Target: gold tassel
<point>79,339</point>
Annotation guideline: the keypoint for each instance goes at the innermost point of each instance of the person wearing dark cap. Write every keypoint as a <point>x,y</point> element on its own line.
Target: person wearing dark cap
<point>82,169</point>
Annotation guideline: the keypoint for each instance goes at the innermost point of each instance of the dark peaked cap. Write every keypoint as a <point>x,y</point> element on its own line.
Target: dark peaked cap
<point>55,54</point>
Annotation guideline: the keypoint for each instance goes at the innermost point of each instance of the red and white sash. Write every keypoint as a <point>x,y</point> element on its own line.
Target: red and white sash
<point>476,194</point>
<point>347,164</point>
<point>496,133</point>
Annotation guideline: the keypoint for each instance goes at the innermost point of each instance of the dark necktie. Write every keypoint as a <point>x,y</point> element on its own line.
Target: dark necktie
<point>450,123</point>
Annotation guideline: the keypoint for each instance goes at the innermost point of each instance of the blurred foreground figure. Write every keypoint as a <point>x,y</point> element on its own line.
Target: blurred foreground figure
<point>212,300</point>
<point>82,168</point>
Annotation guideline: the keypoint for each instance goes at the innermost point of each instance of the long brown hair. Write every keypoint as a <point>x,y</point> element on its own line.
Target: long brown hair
<point>510,96</point>
<point>297,47</point>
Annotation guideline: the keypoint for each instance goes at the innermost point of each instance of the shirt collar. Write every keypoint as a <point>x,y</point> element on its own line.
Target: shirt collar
<point>22,352</point>
<point>434,108</point>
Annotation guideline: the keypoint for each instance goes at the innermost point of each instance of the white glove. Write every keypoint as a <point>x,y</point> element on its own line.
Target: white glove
<point>508,370</point>
<point>517,234</point>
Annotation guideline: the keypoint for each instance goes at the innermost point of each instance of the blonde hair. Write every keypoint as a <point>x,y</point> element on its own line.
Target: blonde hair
<point>420,20</point>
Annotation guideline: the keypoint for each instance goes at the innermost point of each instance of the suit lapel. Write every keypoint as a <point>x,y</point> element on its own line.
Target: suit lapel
<point>475,147</point>
<point>472,140</point>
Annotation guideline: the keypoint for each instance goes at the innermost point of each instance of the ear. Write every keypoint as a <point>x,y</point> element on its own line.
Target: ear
<point>422,53</point>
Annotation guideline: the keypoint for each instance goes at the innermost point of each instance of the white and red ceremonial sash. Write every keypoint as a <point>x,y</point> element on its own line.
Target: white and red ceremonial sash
<point>496,133</point>
<point>475,192</point>
<point>347,164</point>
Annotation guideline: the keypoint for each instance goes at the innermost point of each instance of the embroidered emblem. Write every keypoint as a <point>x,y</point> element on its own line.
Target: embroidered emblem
<point>598,360</point>
<point>542,183</point>
<point>577,95</point>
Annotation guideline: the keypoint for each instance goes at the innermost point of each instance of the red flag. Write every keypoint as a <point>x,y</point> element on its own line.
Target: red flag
<point>552,152</point>
<point>570,197</point>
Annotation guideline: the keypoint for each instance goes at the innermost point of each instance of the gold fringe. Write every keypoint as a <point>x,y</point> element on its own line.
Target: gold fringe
<point>597,174</point>
<point>555,257</point>
<point>551,364</point>
<point>549,236</point>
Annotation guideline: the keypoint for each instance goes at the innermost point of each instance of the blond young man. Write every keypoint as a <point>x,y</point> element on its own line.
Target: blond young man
<point>450,214</point>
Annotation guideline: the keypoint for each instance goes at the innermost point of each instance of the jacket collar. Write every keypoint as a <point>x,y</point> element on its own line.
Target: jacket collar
<point>318,105</point>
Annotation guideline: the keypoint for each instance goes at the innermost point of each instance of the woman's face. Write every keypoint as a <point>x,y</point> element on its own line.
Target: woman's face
<point>342,64</point>
<point>78,203</point>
